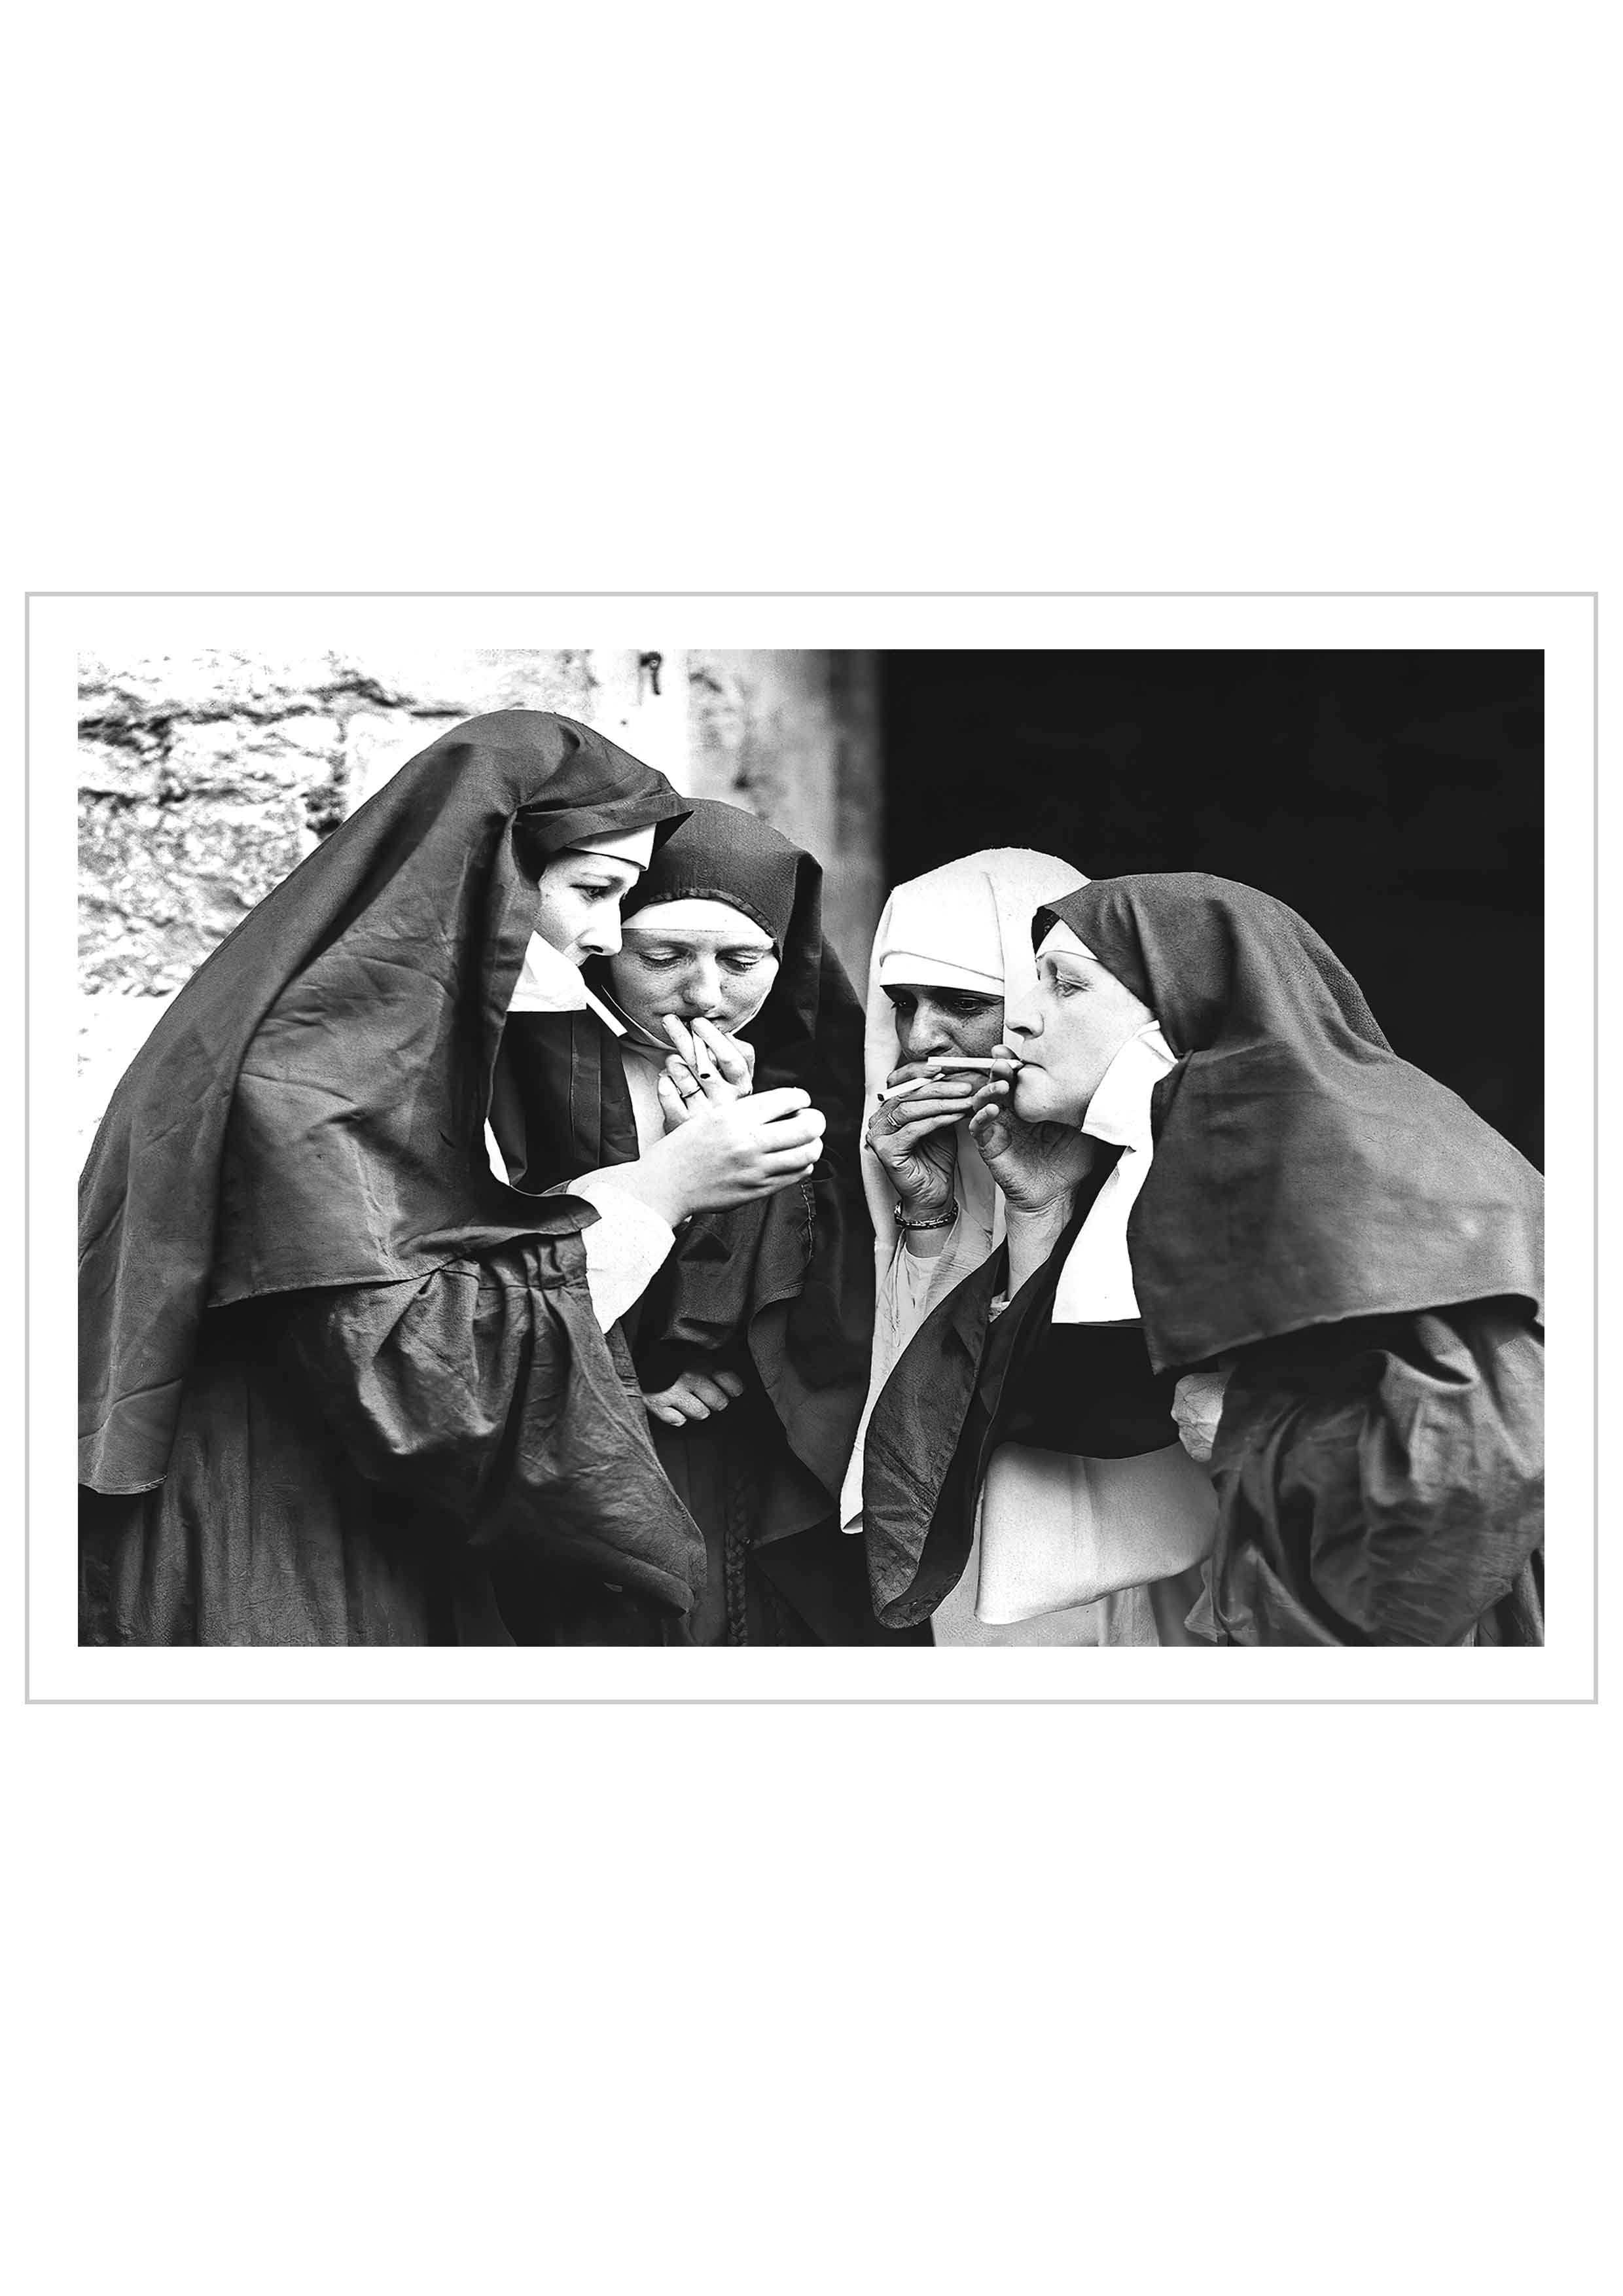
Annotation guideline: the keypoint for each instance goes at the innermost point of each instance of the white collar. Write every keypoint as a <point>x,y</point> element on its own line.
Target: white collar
<point>1096,1283</point>
<point>1120,1109</point>
<point>549,982</point>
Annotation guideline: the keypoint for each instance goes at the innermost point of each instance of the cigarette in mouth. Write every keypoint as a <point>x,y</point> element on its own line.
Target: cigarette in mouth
<point>917,1084</point>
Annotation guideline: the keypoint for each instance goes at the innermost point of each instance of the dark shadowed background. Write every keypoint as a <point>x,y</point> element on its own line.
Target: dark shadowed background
<point>1395,800</point>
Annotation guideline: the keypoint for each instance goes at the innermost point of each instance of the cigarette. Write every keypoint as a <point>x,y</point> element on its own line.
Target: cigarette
<point>917,1084</point>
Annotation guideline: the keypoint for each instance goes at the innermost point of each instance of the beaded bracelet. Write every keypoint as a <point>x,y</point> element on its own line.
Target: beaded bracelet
<point>945,1220</point>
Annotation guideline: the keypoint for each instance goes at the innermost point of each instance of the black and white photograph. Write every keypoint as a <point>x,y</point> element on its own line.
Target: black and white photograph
<point>815,1046</point>
<point>899,1149</point>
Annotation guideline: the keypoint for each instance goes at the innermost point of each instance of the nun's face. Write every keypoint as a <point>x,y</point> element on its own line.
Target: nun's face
<point>702,960</point>
<point>579,907</point>
<point>932,1023</point>
<point>1067,1032</point>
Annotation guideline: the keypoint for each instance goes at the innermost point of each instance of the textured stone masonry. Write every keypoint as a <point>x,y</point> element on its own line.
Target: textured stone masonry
<point>205,778</point>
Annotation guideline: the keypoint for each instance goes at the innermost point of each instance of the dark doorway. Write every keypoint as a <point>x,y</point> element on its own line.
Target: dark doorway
<point>1395,800</point>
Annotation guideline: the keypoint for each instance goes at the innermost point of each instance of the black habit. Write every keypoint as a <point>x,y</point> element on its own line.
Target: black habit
<point>340,1383</point>
<point>780,1291</point>
<point>1350,1241</point>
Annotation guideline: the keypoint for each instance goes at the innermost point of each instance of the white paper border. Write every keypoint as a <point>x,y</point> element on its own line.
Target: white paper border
<point>1562,626</point>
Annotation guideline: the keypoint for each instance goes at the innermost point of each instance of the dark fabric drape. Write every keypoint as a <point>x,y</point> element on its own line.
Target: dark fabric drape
<point>789,1278</point>
<point>722,853</point>
<point>559,1104</point>
<point>454,1458</point>
<point>945,1406</point>
<point>1381,1481</point>
<point>341,1385</point>
<point>1378,1482</point>
<point>1303,1173</point>
<point>780,1291</point>
<point>311,1109</point>
<point>1362,1250</point>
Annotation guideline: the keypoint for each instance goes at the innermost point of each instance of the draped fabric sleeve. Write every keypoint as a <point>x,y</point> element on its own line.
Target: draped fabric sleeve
<point>487,1394</point>
<point>910,1288</point>
<point>782,1290</point>
<point>1381,1482</point>
<point>624,1246</point>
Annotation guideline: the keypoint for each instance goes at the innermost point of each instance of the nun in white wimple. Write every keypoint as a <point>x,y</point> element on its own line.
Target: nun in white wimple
<point>953,948</point>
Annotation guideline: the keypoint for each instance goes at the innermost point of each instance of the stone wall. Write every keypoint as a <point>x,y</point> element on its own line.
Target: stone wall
<point>205,778</point>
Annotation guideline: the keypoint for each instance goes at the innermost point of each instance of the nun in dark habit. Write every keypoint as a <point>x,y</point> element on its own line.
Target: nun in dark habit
<point>752,1341</point>
<point>1267,1332</point>
<point>341,1381</point>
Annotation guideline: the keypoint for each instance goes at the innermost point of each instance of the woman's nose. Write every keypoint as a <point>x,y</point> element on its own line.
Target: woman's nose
<point>602,939</point>
<point>701,991</point>
<point>1021,1017</point>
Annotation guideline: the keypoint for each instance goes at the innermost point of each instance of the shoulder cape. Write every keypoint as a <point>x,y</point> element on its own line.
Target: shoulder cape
<point>1303,1173</point>
<point>310,1111</point>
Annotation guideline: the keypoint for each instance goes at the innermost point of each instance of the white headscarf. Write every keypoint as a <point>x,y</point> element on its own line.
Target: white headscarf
<point>633,845</point>
<point>966,926</point>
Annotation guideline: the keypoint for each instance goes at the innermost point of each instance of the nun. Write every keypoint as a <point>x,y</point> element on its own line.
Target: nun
<point>1267,1327</point>
<point>342,1381</point>
<point>952,951</point>
<point>752,1341</point>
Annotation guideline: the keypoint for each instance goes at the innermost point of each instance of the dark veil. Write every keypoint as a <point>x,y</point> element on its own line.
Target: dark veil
<point>1303,1173</point>
<point>795,1270</point>
<point>310,1111</point>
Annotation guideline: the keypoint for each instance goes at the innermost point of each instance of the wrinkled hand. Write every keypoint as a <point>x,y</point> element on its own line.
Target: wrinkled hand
<point>692,1395</point>
<point>1037,1166</point>
<point>1197,1408</point>
<point>708,1065</point>
<point>912,1136</point>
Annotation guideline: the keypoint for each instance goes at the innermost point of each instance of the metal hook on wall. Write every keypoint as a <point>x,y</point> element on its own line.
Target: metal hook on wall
<point>652,663</point>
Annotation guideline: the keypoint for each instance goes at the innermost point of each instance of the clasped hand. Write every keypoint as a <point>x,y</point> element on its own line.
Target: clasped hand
<point>1197,1409</point>
<point>693,1395</point>
<point>913,1135</point>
